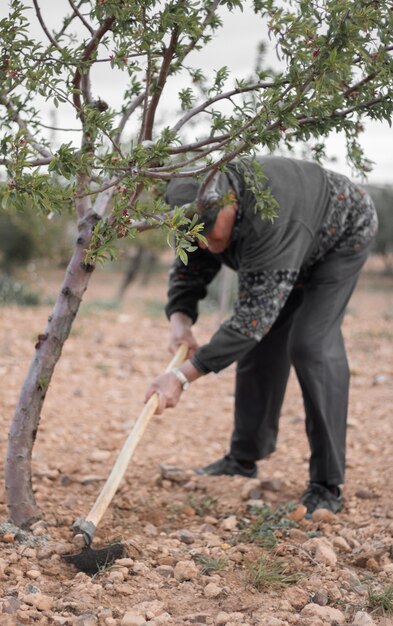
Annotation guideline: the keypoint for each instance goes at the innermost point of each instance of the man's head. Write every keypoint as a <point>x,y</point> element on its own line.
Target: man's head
<point>216,207</point>
<point>216,195</point>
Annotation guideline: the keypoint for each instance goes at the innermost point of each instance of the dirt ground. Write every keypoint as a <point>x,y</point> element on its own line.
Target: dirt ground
<point>216,551</point>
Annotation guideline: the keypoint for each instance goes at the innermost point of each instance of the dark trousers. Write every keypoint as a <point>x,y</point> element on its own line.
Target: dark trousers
<point>307,334</point>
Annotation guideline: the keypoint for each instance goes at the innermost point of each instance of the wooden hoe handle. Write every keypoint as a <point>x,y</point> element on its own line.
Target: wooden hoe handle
<point>88,526</point>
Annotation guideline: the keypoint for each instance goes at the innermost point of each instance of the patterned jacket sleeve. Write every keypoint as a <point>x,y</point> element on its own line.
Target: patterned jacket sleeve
<point>260,298</point>
<point>270,266</point>
<point>188,283</point>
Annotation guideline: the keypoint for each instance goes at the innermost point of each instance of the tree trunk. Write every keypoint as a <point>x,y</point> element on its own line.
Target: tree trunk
<point>22,508</point>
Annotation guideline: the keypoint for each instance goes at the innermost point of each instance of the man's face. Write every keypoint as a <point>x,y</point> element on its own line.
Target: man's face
<point>219,237</point>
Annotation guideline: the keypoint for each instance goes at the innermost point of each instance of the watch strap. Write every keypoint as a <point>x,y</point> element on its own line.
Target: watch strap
<point>181,378</point>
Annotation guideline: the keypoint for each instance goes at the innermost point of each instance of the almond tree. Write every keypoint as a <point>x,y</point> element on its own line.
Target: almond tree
<point>336,70</point>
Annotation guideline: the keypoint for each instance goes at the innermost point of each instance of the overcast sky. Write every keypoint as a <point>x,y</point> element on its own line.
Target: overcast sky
<point>236,47</point>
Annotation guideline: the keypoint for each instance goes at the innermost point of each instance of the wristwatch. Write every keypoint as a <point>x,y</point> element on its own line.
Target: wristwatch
<point>180,377</point>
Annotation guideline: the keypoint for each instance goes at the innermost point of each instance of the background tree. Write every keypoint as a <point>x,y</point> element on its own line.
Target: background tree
<point>336,71</point>
<point>383,243</point>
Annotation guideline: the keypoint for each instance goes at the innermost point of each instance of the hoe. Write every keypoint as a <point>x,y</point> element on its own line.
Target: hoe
<point>91,560</point>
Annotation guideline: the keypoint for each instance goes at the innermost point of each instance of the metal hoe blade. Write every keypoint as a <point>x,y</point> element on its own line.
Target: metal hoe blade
<point>92,561</point>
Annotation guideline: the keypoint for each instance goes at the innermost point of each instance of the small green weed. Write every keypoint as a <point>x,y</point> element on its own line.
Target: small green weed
<point>266,524</point>
<point>103,367</point>
<point>209,564</point>
<point>202,505</point>
<point>266,574</point>
<point>381,602</point>
<point>101,569</point>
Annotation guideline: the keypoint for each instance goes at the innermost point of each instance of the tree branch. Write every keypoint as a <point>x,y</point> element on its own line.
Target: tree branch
<point>127,114</point>
<point>82,19</point>
<point>57,36</point>
<point>44,27</point>
<point>82,199</point>
<point>90,48</point>
<point>23,125</point>
<point>162,77</point>
<point>63,130</point>
<point>102,200</point>
<point>112,183</point>
<point>147,89</point>
<point>359,84</point>
<point>199,145</point>
<point>150,110</point>
<point>224,96</point>
<point>208,17</point>
<point>35,163</point>
<point>343,113</point>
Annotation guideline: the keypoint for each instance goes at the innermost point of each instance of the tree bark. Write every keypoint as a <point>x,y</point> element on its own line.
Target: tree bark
<point>22,507</point>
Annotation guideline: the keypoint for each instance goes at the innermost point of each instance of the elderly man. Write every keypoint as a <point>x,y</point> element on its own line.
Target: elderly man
<point>295,277</point>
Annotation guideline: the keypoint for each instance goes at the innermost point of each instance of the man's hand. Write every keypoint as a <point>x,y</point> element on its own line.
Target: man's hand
<point>169,388</point>
<point>180,333</point>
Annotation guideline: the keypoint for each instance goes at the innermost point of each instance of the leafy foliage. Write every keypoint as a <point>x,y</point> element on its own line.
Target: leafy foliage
<point>383,244</point>
<point>25,236</point>
<point>335,71</point>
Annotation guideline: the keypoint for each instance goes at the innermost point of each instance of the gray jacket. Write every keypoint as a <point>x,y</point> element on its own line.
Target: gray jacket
<point>318,212</point>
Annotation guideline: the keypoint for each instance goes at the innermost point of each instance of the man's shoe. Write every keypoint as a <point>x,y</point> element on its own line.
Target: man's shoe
<point>227,466</point>
<point>318,496</point>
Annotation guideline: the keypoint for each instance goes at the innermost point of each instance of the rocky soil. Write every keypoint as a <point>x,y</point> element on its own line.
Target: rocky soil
<point>199,551</point>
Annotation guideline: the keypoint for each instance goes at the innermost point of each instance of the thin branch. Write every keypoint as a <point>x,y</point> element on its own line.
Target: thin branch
<point>147,89</point>
<point>224,96</point>
<point>82,19</point>
<point>359,58</point>
<point>22,124</point>
<point>219,145</point>
<point>362,82</point>
<point>41,58</point>
<point>198,145</point>
<point>127,114</point>
<point>150,109</point>
<point>90,48</point>
<point>102,200</point>
<point>67,22</point>
<point>243,144</point>
<point>44,27</point>
<point>162,78</point>
<point>112,183</point>
<point>167,175</point>
<point>343,113</point>
<point>206,22</point>
<point>249,124</point>
<point>65,130</point>
<point>35,163</point>
<point>135,195</point>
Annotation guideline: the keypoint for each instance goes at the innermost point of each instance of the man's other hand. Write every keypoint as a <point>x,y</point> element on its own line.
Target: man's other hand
<point>181,333</point>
